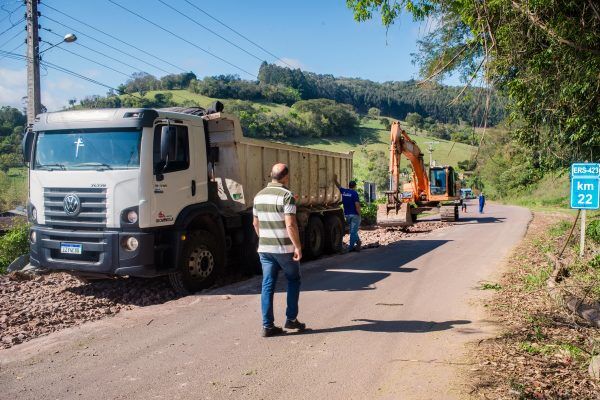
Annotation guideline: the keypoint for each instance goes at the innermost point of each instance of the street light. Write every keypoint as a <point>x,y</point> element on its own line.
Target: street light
<point>69,38</point>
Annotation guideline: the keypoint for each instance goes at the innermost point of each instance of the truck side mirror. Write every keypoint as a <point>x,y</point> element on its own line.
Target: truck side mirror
<point>27,145</point>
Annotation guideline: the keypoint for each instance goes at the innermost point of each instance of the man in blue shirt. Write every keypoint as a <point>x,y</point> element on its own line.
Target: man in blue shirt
<point>351,204</point>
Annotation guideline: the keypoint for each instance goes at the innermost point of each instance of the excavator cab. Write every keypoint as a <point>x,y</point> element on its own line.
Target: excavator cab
<point>442,183</point>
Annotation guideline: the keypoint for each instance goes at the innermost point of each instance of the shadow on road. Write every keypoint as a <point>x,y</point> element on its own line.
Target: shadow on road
<point>480,220</point>
<point>371,325</point>
<point>357,271</point>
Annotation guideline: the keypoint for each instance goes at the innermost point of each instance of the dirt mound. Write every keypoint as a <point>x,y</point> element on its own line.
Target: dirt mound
<point>384,236</point>
<point>34,306</point>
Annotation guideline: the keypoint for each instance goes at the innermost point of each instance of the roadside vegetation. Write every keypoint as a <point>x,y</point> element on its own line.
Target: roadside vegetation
<point>13,244</point>
<point>544,351</point>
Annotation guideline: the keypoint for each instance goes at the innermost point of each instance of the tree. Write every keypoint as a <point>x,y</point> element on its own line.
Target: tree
<point>395,99</point>
<point>415,120</point>
<point>544,56</point>
<point>374,112</point>
<point>387,125</point>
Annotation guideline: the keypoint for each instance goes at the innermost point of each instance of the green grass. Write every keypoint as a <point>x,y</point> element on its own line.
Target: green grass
<point>491,286</point>
<point>13,186</point>
<point>372,134</point>
<point>551,193</point>
<point>179,96</point>
<point>536,280</point>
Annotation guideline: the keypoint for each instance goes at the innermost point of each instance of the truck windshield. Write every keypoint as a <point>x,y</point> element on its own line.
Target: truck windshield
<point>88,150</point>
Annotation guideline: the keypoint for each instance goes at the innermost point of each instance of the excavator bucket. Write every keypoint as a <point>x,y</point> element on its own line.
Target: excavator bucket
<point>394,215</point>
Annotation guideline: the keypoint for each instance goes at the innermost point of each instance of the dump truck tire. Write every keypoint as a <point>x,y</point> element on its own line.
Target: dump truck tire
<point>334,234</point>
<point>448,213</point>
<point>200,264</point>
<point>314,239</point>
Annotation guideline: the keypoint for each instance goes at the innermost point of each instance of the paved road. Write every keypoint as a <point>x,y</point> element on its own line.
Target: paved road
<point>386,323</point>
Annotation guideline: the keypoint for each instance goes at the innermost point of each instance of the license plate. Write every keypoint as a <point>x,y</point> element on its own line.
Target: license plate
<point>70,248</point>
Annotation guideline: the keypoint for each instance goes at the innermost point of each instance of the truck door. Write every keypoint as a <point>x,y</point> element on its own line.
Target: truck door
<point>174,183</point>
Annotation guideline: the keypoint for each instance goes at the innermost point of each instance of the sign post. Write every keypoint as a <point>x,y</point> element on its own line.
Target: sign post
<point>585,192</point>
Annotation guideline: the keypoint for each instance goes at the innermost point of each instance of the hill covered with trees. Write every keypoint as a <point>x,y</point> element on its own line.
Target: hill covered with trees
<point>287,86</point>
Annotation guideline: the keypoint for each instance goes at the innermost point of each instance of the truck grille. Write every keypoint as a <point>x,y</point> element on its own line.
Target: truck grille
<point>92,214</point>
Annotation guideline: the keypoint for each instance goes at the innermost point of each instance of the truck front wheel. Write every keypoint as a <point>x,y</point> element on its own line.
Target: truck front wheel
<point>200,264</point>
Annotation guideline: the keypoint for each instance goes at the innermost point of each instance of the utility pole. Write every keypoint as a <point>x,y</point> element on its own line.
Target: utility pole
<point>430,150</point>
<point>34,102</point>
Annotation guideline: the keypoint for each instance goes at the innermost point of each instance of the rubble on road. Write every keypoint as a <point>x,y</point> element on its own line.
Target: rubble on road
<point>32,306</point>
<point>382,236</point>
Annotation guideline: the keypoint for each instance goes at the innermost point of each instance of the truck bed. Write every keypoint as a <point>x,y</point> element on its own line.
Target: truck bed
<point>244,167</point>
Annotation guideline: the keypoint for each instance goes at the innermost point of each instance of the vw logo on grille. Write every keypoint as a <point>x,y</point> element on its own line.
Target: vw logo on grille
<point>72,204</point>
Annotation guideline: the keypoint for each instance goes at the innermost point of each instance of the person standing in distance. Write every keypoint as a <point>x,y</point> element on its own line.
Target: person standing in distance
<point>481,202</point>
<point>279,248</point>
<point>351,203</point>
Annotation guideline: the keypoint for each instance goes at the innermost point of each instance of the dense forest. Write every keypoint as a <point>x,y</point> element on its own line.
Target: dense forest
<point>394,99</point>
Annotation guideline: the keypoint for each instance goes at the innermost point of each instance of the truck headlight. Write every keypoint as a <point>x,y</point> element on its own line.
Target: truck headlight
<point>32,237</point>
<point>132,217</point>
<point>130,243</point>
<point>34,213</point>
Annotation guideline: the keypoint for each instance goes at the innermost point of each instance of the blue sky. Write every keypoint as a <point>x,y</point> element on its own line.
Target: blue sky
<point>319,36</point>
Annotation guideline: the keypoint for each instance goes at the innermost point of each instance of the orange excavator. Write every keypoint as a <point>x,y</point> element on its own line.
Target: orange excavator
<point>438,187</point>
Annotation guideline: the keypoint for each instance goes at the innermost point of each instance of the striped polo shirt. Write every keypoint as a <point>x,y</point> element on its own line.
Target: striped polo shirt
<point>270,206</point>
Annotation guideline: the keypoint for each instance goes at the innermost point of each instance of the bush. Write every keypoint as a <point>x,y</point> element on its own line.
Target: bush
<point>368,213</point>
<point>593,230</point>
<point>386,123</point>
<point>13,244</point>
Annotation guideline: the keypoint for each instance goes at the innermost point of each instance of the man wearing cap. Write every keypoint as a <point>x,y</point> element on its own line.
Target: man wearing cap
<point>351,203</point>
<point>279,248</point>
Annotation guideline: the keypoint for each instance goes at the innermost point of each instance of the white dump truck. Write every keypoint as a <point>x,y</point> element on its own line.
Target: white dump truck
<point>151,192</point>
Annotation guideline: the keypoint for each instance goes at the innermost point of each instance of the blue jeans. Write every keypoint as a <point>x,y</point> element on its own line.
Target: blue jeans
<point>271,264</point>
<point>354,222</point>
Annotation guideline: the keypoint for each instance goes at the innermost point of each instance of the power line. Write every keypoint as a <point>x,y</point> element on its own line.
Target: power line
<point>106,44</point>
<point>66,71</point>
<point>12,50</point>
<point>182,38</point>
<point>117,39</point>
<point>12,26</point>
<point>90,60</point>
<point>101,64</point>
<point>210,30</point>
<point>10,13</point>
<point>10,40</point>
<point>238,33</point>
<point>98,52</point>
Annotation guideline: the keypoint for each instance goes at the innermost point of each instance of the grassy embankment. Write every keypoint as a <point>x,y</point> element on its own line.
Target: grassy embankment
<point>13,188</point>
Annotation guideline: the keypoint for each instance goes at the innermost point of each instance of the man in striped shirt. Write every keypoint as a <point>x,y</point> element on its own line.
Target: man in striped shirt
<point>279,247</point>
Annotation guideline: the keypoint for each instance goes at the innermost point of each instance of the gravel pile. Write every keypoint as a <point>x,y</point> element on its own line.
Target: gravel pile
<point>34,306</point>
<point>379,236</point>
<point>31,306</point>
